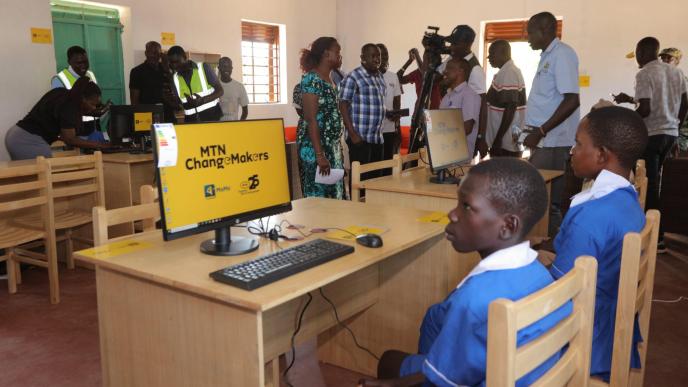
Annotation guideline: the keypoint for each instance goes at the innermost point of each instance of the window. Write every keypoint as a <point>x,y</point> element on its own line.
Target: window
<point>516,33</point>
<point>260,54</point>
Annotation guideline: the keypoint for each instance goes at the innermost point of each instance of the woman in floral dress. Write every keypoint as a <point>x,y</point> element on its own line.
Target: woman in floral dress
<point>321,128</point>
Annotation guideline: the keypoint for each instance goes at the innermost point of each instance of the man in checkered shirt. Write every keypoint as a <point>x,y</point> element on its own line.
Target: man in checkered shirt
<point>362,103</point>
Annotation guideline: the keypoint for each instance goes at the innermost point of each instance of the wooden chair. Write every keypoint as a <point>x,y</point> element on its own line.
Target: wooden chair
<point>636,282</point>
<point>77,187</point>
<point>149,194</point>
<point>506,363</point>
<point>357,170</point>
<point>640,182</point>
<point>103,218</point>
<point>27,188</point>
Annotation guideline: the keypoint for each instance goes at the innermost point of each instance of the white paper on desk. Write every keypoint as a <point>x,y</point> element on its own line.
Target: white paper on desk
<point>166,138</point>
<point>334,176</point>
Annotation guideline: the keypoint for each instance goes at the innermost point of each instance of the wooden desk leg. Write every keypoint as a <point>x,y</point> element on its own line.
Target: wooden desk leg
<point>155,335</point>
<point>272,376</point>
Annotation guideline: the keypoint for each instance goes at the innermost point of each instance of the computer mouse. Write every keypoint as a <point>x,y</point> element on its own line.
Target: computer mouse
<point>369,240</point>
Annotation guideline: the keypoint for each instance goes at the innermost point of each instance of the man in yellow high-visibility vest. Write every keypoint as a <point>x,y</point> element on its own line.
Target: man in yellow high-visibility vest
<point>77,58</point>
<point>197,87</point>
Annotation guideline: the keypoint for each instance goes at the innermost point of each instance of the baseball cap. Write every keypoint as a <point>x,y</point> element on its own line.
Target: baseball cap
<point>672,52</point>
<point>462,33</point>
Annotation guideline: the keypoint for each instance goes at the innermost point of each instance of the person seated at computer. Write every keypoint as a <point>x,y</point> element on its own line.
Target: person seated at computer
<point>197,86</point>
<point>499,201</point>
<point>460,95</point>
<point>57,115</point>
<point>320,130</point>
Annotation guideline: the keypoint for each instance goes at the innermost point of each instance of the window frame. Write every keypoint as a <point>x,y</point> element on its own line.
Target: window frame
<point>253,34</point>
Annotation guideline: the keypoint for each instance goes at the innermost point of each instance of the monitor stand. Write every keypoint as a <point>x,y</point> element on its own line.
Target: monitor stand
<point>443,177</point>
<point>224,244</point>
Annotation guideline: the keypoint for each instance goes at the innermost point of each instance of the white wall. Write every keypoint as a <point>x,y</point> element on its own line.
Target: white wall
<point>216,30</point>
<point>601,31</point>
<point>27,67</point>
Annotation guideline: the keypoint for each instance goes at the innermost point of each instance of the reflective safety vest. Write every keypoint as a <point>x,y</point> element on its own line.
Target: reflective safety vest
<point>67,78</point>
<point>199,85</point>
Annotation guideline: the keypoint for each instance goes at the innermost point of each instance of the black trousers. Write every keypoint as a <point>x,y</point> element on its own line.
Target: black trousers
<point>390,148</point>
<point>364,153</point>
<point>658,147</point>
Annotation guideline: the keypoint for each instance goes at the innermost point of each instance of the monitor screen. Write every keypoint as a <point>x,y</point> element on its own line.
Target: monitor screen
<point>127,121</point>
<point>445,138</point>
<point>225,173</point>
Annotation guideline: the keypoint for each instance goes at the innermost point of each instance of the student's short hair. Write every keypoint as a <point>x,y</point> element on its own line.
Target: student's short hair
<point>463,65</point>
<point>176,50</point>
<point>545,21</point>
<point>501,45</point>
<point>367,46</point>
<point>620,130</point>
<point>514,187</point>
<point>75,50</point>
<point>650,42</point>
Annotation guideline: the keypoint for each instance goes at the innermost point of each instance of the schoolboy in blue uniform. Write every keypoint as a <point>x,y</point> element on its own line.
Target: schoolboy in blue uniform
<point>499,202</point>
<point>608,143</point>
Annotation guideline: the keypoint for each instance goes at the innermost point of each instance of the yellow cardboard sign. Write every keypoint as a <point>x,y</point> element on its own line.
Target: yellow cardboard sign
<point>114,249</point>
<point>167,38</point>
<point>350,233</point>
<point>41,35</point>
<point>143,121</point>
<point>435,217</point>
<point>584,81</point>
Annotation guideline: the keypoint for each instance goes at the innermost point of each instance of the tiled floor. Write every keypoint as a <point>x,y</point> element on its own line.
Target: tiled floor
<point>57,345</point>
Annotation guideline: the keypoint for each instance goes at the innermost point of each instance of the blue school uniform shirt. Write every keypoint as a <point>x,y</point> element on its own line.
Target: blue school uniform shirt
<point>452,349</point>
<point>595,225</point>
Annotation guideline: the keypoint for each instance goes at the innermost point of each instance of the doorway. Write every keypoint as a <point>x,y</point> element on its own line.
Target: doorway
<point>98,30</point>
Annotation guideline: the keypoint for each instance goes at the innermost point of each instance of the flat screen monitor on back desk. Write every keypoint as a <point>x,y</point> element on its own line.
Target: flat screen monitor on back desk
<point>446,143</point>
<point>131,124</point>
<point>225,174</point>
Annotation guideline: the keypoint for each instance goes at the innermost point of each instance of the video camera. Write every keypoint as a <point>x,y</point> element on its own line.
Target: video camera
<point>435,43</point>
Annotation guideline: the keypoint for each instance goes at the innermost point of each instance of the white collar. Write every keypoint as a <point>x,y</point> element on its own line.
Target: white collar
<point>512,257</point>
<point>605,183</point>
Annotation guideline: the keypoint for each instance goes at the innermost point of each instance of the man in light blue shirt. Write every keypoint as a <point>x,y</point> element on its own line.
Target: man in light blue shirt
<point>552,112</point>
<point>461,96</point>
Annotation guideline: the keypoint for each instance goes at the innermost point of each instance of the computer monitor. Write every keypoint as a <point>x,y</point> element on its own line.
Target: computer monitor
<point>224,173</point>
<point>132,123</point>
<point>446,143</point>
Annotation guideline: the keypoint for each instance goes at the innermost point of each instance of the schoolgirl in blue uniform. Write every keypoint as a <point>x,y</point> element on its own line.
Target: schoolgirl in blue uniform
<point>608,143</point>
<point>499,202</point>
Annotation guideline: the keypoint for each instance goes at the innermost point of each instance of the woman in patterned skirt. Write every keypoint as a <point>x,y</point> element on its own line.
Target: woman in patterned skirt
<point>321,128</point>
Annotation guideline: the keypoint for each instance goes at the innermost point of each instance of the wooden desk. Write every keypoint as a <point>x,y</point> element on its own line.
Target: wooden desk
<point>413,190</point>
<point>124,174</point>
<point>164,322</point>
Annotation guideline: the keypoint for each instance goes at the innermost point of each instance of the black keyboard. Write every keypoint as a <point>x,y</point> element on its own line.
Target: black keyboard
<point>281,264</point>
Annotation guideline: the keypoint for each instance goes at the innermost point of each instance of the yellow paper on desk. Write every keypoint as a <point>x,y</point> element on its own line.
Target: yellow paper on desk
<point>114,249</point>
<point>355,230</point>
<point>435,217</point>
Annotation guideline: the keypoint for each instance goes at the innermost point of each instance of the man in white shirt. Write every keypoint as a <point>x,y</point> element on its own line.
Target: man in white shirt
<point>552,112</point>
<point>235,93</point>
<point>460,95</point>
<point>390,126</point>
<point>461,40</point>
<point>660,91</point>
<point>506,102</point>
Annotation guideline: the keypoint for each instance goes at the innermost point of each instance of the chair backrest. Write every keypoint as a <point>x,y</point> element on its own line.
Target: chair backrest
<point>24,187</point>
<point>640,182</point>
<point>149,195</point>
<point>636,282</point>
<point>78,175</point>
<point>103,218</point>
<point>506,363</point>
<point>357,170</point>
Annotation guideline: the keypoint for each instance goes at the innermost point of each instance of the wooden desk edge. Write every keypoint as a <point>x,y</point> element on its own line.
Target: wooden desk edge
<point>220,296</point>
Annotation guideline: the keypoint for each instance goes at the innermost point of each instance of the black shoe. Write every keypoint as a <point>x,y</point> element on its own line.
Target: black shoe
<point>661,247</point>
